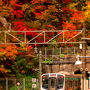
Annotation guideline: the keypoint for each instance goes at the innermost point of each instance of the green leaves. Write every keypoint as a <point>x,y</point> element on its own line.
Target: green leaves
<point>61,55</point>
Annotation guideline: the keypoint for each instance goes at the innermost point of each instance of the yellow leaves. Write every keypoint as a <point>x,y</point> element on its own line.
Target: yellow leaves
<point>72,6</point>
<point>2,69</point>
<point>52,8</point>
<point>25,7</point>
<point>80,16</point>
<point>5,10</point>
<point>23,46</point>
<point>36,24</point>
<point>48,13</point>
<point>44,15</point>
<point>88,5</point>
<point>87,12</point>
<point>2,51</point>
<point>49,27</point>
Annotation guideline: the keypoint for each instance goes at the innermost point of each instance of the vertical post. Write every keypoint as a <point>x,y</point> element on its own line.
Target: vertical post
<point>74,50</point>
<point>15,84</point>
<point>5,37</point>
<point>6,83</point>
<point>40,66</point>
<point>84,60</point>
<point>25,38</point>
<point>31,85</point>
<point>23,83</point>
<point>9,26</point>
<point>45,54</point>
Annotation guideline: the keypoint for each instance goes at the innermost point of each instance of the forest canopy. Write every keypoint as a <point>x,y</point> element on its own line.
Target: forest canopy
<point>30,15</point>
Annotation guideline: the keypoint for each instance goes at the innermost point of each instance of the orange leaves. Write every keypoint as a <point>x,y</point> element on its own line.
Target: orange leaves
<point>42,1</point>
<point>76,19</point>
<point>34,1</point>
<point>9,51</point>
<point>29,47</point>
<point>1,2</point>
<point>49,27</point>
<point>13,2</point>
<point>52,8</point>
<point>78,16</point>
<point>41,7</point>
<point>68,26</point>
<point>38,1</point>
<point>2,69</point>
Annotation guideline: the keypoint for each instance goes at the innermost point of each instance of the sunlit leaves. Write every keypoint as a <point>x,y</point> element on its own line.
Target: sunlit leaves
<point>78,16</point>
<point>25,7</point>
<point>73,5</point>
<point>68,26</point>
<point>9,52</point>
<point>5,11</point>
<point>87,12</point>
<point>3,70</point>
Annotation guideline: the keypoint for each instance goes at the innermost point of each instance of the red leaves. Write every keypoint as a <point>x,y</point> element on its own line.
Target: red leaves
<point>37,13</point>
<point>68,35</point>
<point>66,1</point>
<point>7,63</point>
<point>18,13</point>
<point>68,26</point>
<point>67,10</point>
<point>20,26</point>
<point>19,23</point>
<point>17,9</point>
<point>21,53</point>
<point>29,47</point>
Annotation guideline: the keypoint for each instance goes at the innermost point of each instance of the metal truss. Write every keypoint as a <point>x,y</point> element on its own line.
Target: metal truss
<point>38,37</point>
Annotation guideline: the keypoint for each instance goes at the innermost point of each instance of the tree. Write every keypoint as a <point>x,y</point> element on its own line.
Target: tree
<point>29,15</point>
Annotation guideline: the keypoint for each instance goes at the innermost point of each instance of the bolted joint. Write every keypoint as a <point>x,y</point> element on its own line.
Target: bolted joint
<point>40,52</point>
<point>86,69</point>
<point>81,69</point>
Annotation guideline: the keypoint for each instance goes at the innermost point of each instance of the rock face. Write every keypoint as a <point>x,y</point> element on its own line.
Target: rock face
<point>63,59</point>
<point>4,22</point>
<point>59,66</point>
<point>64,67</point>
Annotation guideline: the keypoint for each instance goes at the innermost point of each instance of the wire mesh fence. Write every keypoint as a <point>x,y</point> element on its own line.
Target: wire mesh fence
<point>61,52</point>
<point>19,84</point>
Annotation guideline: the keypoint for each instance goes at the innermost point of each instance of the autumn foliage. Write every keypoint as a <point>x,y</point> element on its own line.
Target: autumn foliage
<point>30,15</point>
